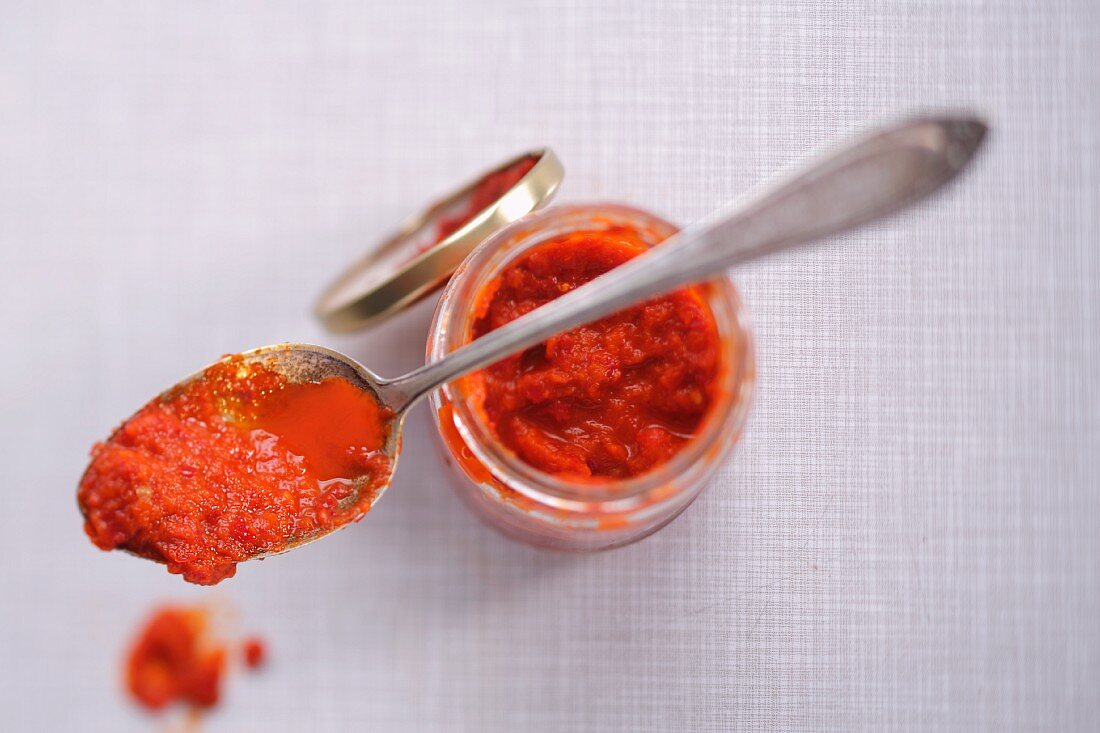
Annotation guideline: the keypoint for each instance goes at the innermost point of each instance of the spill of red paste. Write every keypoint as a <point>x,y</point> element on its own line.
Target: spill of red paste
<point>178,657</point>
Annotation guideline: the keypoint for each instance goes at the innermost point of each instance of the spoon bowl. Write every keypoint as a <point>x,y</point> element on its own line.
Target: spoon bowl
<point>305,363</point>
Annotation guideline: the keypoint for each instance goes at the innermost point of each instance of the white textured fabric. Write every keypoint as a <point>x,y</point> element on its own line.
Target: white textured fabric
<point>908,536</point>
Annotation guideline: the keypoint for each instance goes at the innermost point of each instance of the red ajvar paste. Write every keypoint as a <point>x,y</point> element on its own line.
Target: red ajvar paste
<point>237,463</point>
<point>610,400</point>
<point>175,659</point>
<point>255,652</point>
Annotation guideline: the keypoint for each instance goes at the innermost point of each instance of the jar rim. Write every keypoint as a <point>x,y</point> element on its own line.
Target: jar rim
<point>724,417</point>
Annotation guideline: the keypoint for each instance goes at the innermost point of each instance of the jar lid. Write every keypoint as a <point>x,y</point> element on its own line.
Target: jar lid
<point>423,254</point>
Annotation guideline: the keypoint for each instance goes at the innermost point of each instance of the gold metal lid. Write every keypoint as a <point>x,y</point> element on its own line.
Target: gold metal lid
<point>430,246</point>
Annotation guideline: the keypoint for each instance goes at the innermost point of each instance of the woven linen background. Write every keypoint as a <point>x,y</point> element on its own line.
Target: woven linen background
<point>908,536</point>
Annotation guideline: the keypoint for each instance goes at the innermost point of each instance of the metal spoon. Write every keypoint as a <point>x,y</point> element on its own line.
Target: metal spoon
<point>865,181</point>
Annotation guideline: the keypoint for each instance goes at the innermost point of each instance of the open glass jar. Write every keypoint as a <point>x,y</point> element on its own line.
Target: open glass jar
<point>541,508</point>
<point>466,240</point>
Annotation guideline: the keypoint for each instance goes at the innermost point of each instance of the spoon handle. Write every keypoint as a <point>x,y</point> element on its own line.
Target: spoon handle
<point>867,180</point>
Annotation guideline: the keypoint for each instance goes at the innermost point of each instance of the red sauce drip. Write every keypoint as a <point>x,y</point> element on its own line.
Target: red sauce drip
<point>174,659</point>
<point>235,464</point>
<point>489,189</point>
<point>606,401</point>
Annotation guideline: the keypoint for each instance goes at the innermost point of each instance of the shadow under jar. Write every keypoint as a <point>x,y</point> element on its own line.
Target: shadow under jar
<point>559,510</point>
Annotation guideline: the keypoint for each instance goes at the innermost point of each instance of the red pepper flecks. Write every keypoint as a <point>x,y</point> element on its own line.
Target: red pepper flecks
<point>237,463</point>
<point>606,401</point>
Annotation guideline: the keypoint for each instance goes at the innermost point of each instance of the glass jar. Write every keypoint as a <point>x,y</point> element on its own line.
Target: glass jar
<point>543,509</point>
